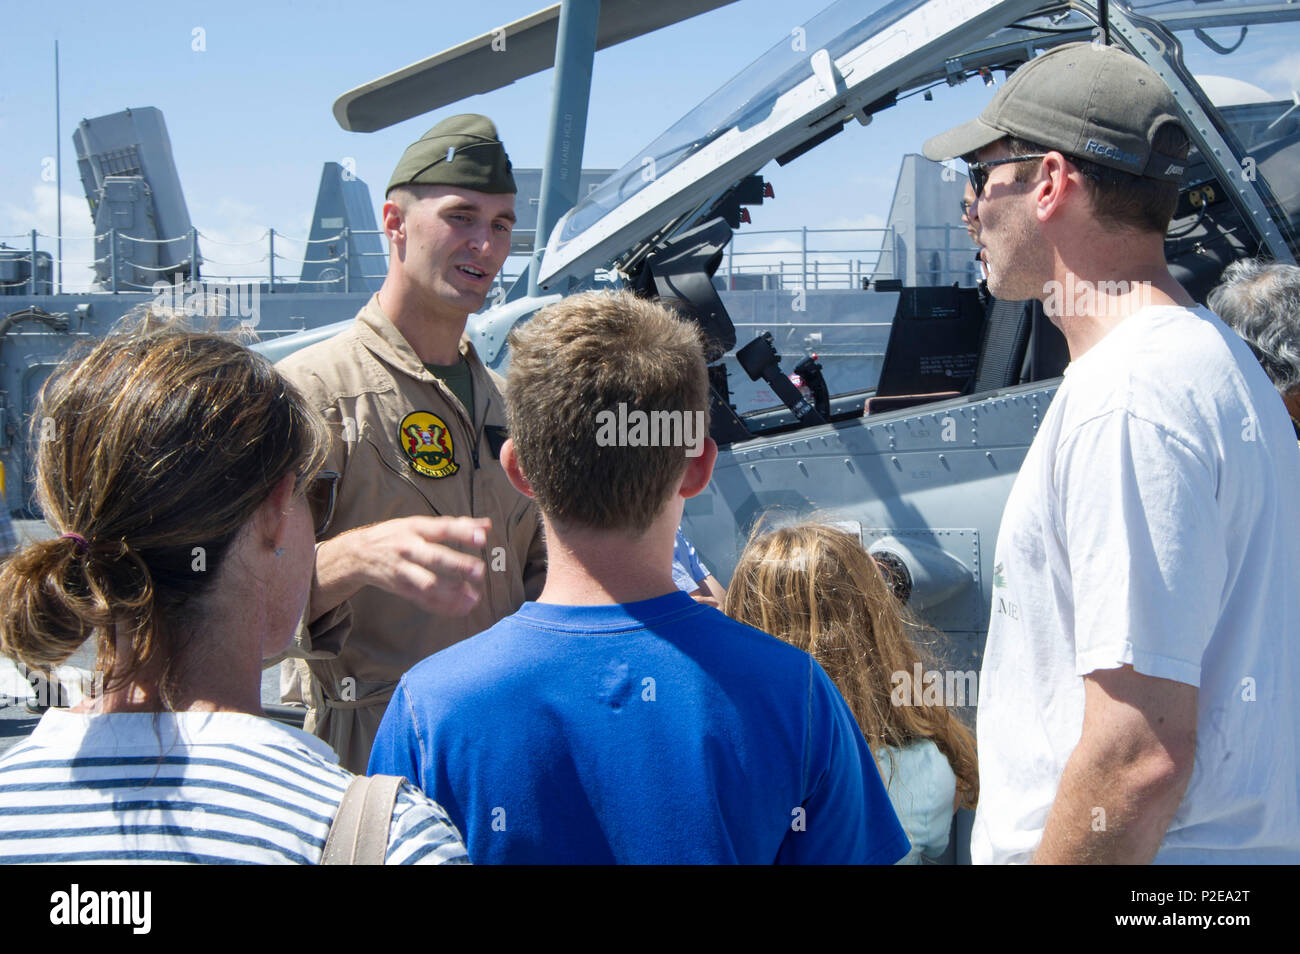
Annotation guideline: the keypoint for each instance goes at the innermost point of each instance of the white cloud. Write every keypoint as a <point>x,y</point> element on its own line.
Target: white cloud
<point>761,252</point>
<point>233,241</point>
<point>38,210</point>
<point>1285,73</point>
<point>868,220</point>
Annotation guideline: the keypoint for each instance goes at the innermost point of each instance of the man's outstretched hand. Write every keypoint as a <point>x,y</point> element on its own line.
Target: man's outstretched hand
<point>410,557</point>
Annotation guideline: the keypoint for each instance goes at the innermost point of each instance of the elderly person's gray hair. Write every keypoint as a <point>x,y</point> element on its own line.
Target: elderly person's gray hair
<point>1261,302</point>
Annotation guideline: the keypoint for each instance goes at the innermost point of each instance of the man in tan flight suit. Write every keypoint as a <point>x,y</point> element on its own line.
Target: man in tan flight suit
<point>419,423</point>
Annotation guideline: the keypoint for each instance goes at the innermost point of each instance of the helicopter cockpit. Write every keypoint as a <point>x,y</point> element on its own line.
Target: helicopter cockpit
<point>664,219</point>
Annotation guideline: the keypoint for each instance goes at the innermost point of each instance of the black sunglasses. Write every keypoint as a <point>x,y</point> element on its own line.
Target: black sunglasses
<point>979,171</point>
<point>321,495</point>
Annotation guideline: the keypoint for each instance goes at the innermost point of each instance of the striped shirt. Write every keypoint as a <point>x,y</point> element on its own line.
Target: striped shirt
<point>189,787</point>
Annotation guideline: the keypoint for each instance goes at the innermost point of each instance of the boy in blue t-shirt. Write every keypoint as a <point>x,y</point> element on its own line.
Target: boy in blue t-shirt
<point>616,719</point>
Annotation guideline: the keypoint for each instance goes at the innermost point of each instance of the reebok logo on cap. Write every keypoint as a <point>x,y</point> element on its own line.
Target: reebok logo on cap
<point>1111,152</point>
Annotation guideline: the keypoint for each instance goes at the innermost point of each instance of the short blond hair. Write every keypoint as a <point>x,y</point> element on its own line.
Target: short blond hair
<point>590,353</point>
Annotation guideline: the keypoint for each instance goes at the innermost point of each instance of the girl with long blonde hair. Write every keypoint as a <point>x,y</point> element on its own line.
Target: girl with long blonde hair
<point>815,587</point>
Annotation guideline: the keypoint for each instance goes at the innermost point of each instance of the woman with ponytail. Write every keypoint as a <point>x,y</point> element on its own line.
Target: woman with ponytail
<point>174,468</point>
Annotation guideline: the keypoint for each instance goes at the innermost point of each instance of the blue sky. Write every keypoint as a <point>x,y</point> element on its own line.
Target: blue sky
<point>250,121</point>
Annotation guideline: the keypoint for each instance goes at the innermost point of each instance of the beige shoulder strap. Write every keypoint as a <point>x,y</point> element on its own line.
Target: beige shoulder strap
<point>359,834</point>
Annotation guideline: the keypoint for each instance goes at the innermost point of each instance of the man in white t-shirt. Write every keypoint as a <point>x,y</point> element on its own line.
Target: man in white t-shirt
<point>1137,698</point>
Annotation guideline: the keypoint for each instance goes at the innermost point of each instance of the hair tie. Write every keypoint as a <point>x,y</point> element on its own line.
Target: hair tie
<point>83,545</point>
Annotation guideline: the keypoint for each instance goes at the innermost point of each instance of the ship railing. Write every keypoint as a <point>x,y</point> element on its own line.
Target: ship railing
<point>805,258</point>
<point>946,258</point>
<point>776,259</point>
<point>811,259</point>
<point>272,269</point>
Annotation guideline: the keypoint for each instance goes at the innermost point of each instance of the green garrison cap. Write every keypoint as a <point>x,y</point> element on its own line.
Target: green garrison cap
<point>461,151</point>
<point>1084,100</point>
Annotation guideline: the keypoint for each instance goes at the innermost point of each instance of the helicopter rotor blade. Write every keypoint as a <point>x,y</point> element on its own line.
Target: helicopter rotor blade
<point>496,59</point>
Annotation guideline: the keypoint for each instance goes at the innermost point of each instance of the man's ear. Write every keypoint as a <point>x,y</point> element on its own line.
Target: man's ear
<point>699,469</point>
<point>272,518</point>
<point>393,220</point>
<point>1058,182</point>
<point>514,473</point>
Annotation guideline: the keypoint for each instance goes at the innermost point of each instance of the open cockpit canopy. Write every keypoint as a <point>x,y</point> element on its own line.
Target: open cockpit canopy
<point>1232,65</point>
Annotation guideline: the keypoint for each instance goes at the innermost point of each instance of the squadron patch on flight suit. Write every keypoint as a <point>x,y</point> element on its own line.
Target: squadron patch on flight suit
<point>426,441</point>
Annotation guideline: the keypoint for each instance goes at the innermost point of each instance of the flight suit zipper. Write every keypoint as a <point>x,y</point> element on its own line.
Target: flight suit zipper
<point>476,437</point>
